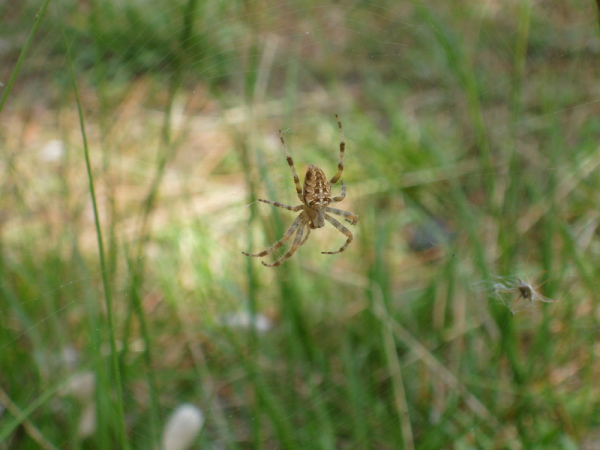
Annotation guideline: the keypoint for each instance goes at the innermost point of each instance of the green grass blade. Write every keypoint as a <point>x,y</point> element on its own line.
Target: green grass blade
<point>119,419</point>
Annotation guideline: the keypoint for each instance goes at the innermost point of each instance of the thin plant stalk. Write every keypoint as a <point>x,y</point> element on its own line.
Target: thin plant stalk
<point>120,416</point>
<point>36,23</point>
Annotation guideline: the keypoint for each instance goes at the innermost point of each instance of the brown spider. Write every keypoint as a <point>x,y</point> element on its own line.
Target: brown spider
<point>315,198</point>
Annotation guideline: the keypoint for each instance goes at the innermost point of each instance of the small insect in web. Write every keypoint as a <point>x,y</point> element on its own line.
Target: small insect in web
<point>315,196</point>
<point>504,289</point>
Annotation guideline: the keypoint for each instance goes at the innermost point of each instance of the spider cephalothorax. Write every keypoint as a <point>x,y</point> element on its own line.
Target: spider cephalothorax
<point>315,196</point>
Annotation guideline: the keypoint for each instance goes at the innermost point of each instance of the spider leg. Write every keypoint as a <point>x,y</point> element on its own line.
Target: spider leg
<point>337,176</point>
<point>341,197</point>
<point>343,230</point>
<point>293,169</point>
<point>293,227</point>
<point>281,205</point>
<point>348,216</point>
<point>305,237</point>
<point>297,242</point>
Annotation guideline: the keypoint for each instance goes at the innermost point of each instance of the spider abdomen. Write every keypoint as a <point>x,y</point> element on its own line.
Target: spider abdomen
<point>316,192</point>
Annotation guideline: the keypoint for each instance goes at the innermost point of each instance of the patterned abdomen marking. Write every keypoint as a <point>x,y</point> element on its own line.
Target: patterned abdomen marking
<point>316,192</point>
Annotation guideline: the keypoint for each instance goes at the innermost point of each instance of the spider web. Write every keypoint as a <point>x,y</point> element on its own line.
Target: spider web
<point>471,149</point>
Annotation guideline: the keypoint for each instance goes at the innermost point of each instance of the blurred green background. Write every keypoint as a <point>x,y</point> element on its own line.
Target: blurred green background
<point>135,139</point>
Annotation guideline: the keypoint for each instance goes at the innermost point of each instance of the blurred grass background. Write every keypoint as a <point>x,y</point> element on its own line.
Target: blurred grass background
<point>472,137</point>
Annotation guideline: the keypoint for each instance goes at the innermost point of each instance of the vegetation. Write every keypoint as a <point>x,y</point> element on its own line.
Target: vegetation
<point>135,139</point>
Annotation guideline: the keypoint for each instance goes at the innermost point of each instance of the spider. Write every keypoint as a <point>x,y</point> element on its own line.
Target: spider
<point>315,197</point>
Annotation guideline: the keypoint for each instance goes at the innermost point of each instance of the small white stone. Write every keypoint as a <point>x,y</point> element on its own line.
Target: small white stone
<point>183,427</point>
<point>52,151</point>
<point>81,386</point>
<point>245,320</point>
<point>87,421</point>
